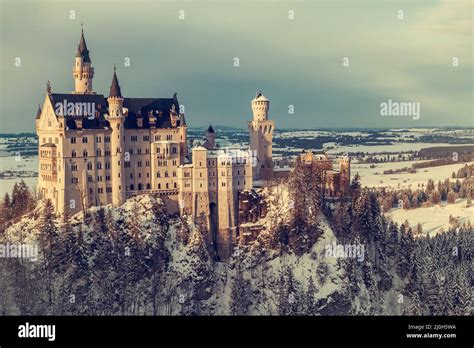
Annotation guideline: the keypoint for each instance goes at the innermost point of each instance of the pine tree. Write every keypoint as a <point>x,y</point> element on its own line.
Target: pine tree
<point>241,291</point>
<point>310,303</point>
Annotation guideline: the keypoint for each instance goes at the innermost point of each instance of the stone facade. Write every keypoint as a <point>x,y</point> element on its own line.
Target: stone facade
<point>95,151</point>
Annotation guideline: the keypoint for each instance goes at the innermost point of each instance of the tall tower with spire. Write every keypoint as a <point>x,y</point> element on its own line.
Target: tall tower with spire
<point>116,120</point>
<point>83,72</point>
<point>261,135</point>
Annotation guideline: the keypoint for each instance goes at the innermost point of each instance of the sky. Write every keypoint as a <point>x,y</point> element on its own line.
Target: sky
<point>293,51</point>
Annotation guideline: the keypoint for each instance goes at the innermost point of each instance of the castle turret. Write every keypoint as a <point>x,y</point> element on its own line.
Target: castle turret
<point>345,169</point>
<point>83,72</point>
<point>261,135</point>
<point>116,120</point>
<point>210,139</point>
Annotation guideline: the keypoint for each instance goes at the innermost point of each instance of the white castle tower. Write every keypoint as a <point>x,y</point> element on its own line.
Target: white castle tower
<point>116,120</point>
<point>82,71</point>
<point>261,135</point>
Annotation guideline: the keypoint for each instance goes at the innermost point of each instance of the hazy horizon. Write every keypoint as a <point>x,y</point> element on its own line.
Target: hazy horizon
<point>295,61</point>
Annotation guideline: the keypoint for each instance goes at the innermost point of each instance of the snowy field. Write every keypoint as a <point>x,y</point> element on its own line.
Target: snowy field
<point>434,218</point>
<point>373,177</point>
<point>18,164</point>
<point>394,148</point>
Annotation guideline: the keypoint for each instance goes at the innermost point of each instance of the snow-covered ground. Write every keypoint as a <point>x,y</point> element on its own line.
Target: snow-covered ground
<point>394,148</point>
<point>20,163</point>
<point>433,219</point>
<point>374,177</point>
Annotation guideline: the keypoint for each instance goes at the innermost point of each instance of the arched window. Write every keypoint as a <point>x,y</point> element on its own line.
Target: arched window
<point>73,154</point>
<point>84,153</point>
<point>89,166</point>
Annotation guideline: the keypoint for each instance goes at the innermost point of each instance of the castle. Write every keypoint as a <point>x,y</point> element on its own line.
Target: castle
<point>96,150</point>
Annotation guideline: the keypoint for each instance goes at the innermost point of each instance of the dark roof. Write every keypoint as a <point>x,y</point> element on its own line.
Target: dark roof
<point>97,101</point>
<point>38,113</point>
<point>210,129</point>
<point>82,49</point>
<point>145,107</point>
<point>115,87</point>
<point>137,108</point>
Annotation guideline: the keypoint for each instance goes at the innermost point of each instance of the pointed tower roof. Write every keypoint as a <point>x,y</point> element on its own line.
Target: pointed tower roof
<point>210,129</point>
<point>82,50</point>
<point>38,113</point>
<point>115,87</point>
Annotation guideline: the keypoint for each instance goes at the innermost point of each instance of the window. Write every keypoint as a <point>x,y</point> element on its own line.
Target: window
<point>73,154</point>
<point>175,185</point>
<point>131,187</point>
<point>174,174</point>
<point>73,140</point>
<point>99,178</point>
<point>157,137</point>
<point>89,166</point>
<point>166,174</point>
<point>139,151</point>
<point>108,189</point>
<point>89,178</point>
<point>99,165</point>
<point>174,149</point>
<point>147,163</point>
<point>107,165</point>
<point>107,178</point>
<point>74,167</point>
<point>98,139</point>
<point>139,163</point>
<point>107,139</point>
<point>148,186</point>
<point>158,174</point>
<point>84,140</point>
<point>146,138</point>
<point>99,152</point>
<point>134,138</point>
<point>84,153</point>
